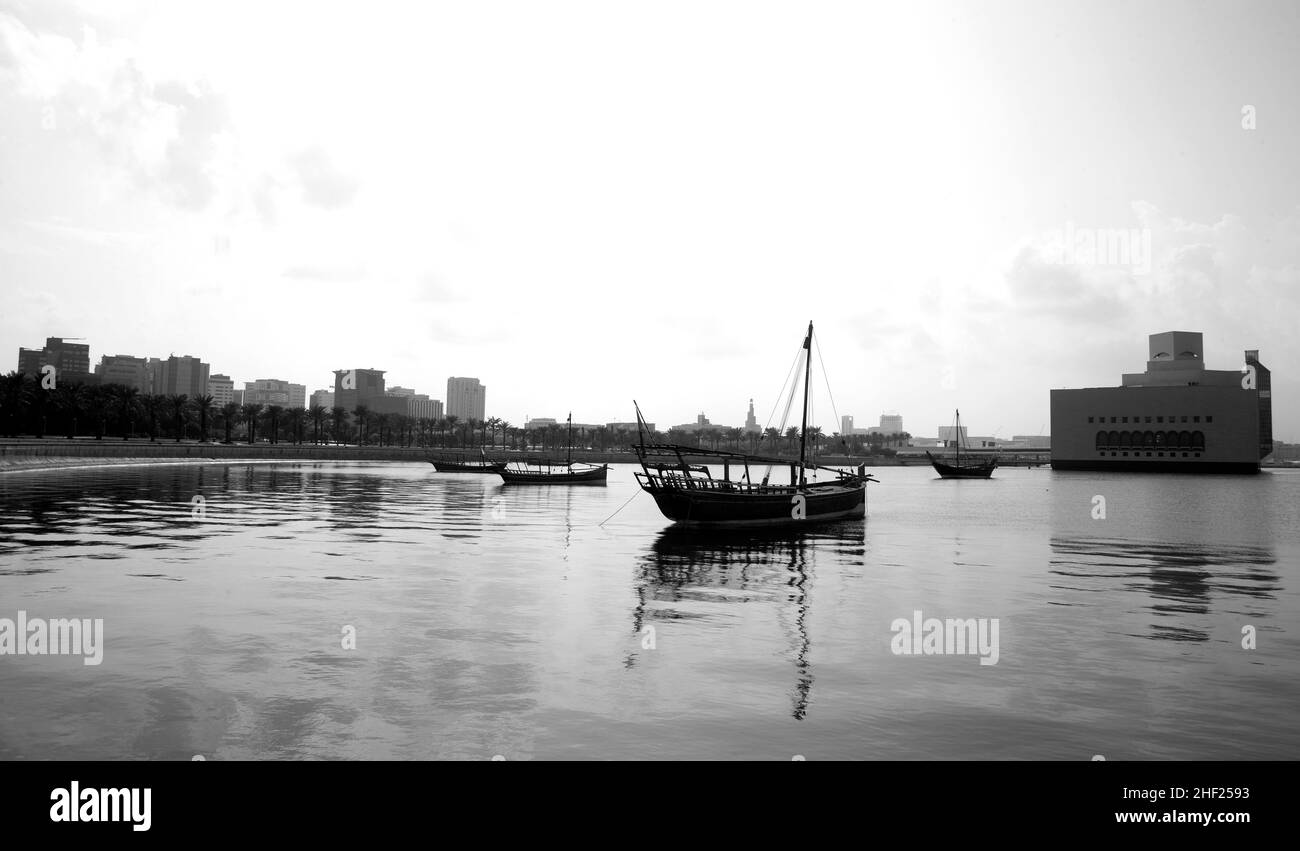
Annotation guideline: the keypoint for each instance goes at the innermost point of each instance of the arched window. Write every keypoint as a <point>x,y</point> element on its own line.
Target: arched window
<point>1148,438</point>
<point>1171,438</point>
<point>1160,439</point>
<point>1198,440</point>
<point>1101,440</point>
<point>1124,438</point>
<point>1113,438</point>
<point>1185,440</point>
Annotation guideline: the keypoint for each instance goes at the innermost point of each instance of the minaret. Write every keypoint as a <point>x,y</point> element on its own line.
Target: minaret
<point>751,424</point>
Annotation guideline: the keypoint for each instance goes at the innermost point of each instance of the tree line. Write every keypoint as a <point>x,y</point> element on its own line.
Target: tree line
<point>75,410</point>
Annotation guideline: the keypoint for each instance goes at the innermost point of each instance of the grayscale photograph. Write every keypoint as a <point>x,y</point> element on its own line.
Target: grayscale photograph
<point>642,382</point>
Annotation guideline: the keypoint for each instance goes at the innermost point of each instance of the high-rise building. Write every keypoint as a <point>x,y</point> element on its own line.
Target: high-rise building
<point>846,425</point>
<point>353,387</point>
<point>324,398</point>
<point>273,391</point>
<point>420,406</point>
<point>71,361</point>
<point>239,397</point>
<point>183,375</point>
<point>891,424</point>
<point>124,369</point>
<point>222,389</point>
<point>466,399</point>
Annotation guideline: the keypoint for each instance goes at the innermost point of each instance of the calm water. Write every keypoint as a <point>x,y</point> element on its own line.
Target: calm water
<point>498,621</point>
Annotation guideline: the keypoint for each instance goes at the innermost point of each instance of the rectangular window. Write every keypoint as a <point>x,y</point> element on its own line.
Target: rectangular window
<point>1112,419</point>
<point>1125,419</point>
<point>1184,418</point>
<point>1196,419</point>
<point>1209,419</point>
<point>1090,419</point>
<point>1160,419</point>
<point>1148,419</point>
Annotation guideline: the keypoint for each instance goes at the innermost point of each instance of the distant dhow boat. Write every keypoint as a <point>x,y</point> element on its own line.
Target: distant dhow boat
<point>970,469</point>
<point>459,465</point>
<point>555,472</point>
<point>689,495</point>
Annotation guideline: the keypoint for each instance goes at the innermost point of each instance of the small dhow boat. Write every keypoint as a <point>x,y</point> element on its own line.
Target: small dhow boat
<point>688,494</point>
<point>970,468</point>
<point>555,472</point>
<point>459,465</point>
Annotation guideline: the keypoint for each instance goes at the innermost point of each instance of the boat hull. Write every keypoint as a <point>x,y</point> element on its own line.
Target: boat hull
<point>454,467</point>
<point>971,471</point>
<point>596,476</point>
<point>770,508</point>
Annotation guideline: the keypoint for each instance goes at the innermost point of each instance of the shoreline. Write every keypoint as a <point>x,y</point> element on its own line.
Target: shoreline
<point>17,455</point>
<point>61,454</point>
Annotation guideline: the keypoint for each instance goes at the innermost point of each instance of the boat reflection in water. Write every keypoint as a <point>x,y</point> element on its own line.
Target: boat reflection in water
<point>1180,578</point>
<point>746,566</point>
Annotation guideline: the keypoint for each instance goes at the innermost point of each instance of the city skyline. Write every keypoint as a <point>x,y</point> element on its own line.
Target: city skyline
<point>962,240</point>
<point>423,405</point>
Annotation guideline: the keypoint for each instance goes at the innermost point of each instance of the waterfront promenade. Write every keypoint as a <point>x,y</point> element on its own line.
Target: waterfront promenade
<point>32,453</point>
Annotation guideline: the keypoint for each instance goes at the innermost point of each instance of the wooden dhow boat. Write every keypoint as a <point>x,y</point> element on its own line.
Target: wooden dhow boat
<point>971,468</point>
<point>555,472</point>
<point>460,465</point>
<point>689,495</point>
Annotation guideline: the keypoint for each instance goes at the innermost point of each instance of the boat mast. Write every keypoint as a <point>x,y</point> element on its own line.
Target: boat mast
<point>807,379</point>
<point>958,427</point>
<point>570,461</point>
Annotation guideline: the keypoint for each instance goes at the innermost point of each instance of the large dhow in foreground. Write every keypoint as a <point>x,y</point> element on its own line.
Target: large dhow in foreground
<point>555,472</point>
<point>688,494</point>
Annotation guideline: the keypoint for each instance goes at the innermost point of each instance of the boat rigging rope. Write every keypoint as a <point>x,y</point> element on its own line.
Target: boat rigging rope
<point>620,508</point>
<point>827,378</point>
<point>789,402</point>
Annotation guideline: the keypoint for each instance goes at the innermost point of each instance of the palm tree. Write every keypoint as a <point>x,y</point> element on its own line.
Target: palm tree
<point>15,393</point>
<point>97,406</point>
<point>339,416</point>
<point>128,403</point>
<point>179,403</point>
<point>203,404</point>
<point>273,413</point>
<point>361,412</point>
<point>505,427</point>
<point>251,412</point>
<point>773,437</point>
<point>317,415</point>
<point>70,399</point>
<point>452,419</point>
<point>229,416</point>
<point>381,420</point>
<point>815,437</point>
<point>297,420</point>
<point>152,404</point>
<point>36,401</point>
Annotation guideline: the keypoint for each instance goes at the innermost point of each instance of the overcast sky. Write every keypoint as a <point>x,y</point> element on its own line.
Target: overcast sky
<point>583,203</point>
